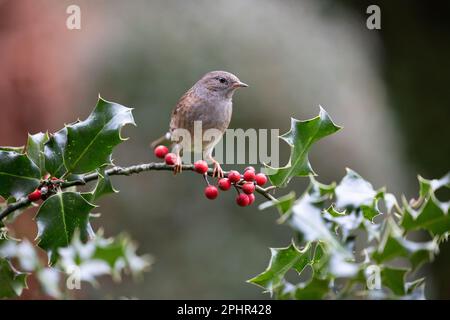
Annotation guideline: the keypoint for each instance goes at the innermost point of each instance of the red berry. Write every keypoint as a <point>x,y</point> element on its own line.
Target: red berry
<point>261,179</point>
<point>56,180</point>
<point>211,192</point>
<point>249,175</point>
<point>161,151</point>
<point>249,168</point>
<point>224,184</point>
<point>248,187</point>
<point>201,166</point>
<point>35,195</point>
<point>251,197</point>
<point>242,200</point>
<point>234,176</point>
<point>171,159</point>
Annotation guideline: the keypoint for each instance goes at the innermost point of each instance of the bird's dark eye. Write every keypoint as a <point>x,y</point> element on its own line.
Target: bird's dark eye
<point>223,80</point>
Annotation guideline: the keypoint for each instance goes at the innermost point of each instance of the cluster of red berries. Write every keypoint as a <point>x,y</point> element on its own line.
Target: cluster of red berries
<point>245,183</point>
<point>48,186</point>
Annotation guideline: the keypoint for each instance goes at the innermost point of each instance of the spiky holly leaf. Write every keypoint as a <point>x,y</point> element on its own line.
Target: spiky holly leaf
<point>394,279</point>
<point>314,289</point>
<point>18,175</point>
<point>283,204</point>
<point>281,261</point>
<point>393,245</point>
<point>353,192</point>
<point>432,216</point>
<point>415,289</point>
<point>90,142</point>
<point>300,138</point>
<point>429,186</point>
<point>319,191</point>
<point>35,150</point>
<point>308,219</point>
<point>372,211</point>
<point>285,291</point>
<point>59,217</point>
<point>12,282</point>
<point>53,153</point>
<point>100,256</point>
<point>103,187</point>
<point>332,211</point>
<point>417,252</point>
<point>133,263</point>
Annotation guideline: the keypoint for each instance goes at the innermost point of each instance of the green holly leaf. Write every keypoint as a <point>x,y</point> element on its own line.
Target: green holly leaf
<point>285,291</point>
<point>429,186</point>
<point>307,218</point>
<point>319,191</point>
<point>12,282</point>
<point>355,193</point>
<point>416,289</point>
<point>432,216</point>
<point>394,279</point>
<point>103,187</point>
<point>53,153</point>
<point>301,138</point>
<point>315,289</point>
<point>120,254</point>
<point>18,175</point>
<point>59,217</point>
<point>370,212</point>
<point>35,150</point>
<point>90,142</point>
<point>282,260</point>
<point>283,204</point>
<point>15,149</point>
<point>100,256</point>
<point>332,211</point>
<point>110,251</point>
<point>393,245</point>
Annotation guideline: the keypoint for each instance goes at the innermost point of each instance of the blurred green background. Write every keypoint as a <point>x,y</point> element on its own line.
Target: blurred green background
<point>388,88</point>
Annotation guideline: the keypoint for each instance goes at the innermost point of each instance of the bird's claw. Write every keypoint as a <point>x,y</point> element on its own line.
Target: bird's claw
<point>178,166</point>
<point>217,171</point>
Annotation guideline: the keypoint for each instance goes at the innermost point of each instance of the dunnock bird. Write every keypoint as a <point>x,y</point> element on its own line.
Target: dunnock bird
<point>208,101</point>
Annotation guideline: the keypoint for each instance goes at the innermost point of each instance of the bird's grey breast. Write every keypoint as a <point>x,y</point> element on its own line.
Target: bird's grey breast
<point>217,114</point>
<point>213,113</point>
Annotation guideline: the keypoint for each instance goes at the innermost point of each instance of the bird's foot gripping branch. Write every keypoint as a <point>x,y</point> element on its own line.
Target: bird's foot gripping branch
<point>327,219</point>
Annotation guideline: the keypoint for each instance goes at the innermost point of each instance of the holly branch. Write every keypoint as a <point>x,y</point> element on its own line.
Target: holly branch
<point>118,171</point>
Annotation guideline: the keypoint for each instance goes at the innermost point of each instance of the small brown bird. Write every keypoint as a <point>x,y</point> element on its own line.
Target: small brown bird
<point>208,101</point>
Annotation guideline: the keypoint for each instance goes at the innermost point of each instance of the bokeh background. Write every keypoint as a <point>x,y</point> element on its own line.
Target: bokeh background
<point>389,88</point>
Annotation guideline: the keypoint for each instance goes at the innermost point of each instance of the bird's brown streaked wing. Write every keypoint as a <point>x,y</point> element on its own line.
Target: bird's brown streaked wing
<point>180,115</point>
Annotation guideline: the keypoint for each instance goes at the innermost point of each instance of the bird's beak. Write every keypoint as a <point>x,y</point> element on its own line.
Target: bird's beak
<point>240,85</point>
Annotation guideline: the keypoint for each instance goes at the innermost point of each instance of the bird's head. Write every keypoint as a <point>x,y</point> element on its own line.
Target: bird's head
<point>220,83</point>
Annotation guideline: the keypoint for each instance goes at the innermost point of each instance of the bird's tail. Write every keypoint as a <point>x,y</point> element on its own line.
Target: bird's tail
<point>160,140</point>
